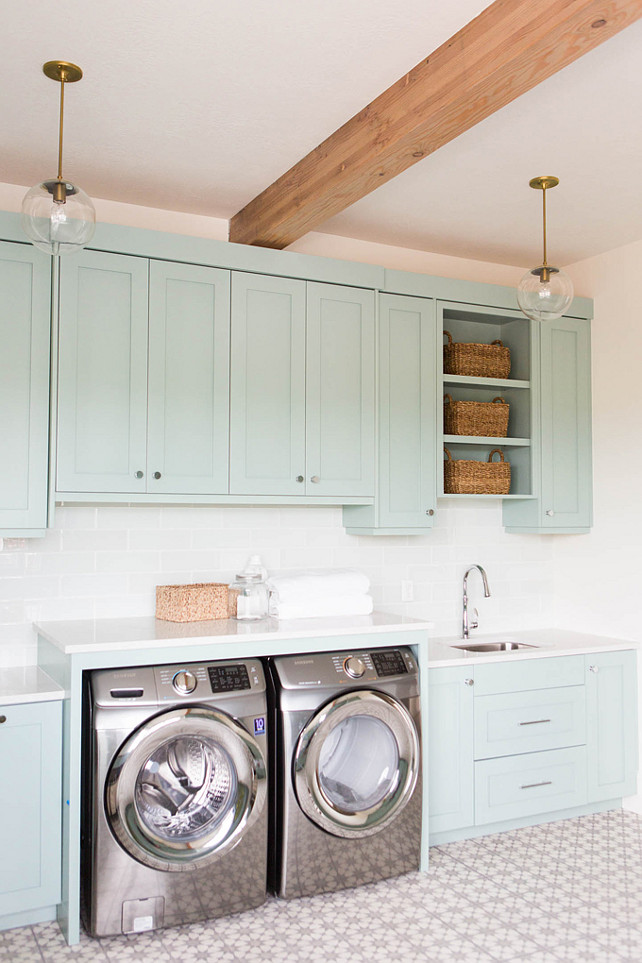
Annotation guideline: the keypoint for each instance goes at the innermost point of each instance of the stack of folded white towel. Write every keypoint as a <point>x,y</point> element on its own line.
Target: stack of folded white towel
<point>320,592</point>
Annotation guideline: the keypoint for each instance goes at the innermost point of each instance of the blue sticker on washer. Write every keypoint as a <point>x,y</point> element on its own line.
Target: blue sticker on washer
<point>259,726</point>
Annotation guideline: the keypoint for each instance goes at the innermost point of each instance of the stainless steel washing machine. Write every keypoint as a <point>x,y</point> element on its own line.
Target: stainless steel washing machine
<point>346,766</point>
<point>175,795</point>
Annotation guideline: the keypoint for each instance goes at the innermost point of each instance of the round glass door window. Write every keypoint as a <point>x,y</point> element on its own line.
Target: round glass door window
<point>356,763</point>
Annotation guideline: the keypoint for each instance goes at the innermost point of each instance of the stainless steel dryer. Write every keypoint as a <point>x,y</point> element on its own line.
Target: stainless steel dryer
<point>346,786</point>
<point>175,806</point>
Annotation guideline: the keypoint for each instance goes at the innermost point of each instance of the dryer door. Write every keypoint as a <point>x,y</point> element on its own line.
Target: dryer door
<point>356,763</point>
<point>184,787</point>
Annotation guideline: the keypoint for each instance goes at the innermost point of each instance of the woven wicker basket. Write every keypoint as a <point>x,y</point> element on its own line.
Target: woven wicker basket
<point>476,360</point>
<point>192,603</point>
<point>463,477</point>
<point>488,418</point>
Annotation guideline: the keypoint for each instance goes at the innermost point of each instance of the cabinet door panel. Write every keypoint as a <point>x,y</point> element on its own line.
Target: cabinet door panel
<point>566,424</point>
<point>340,390</point>
<point>267,386</point>
<point>102,395</point>
<point>30,762</point>
<point>450,757</point>
<point>25,285</point>
<point>611,695</point>
<point>188,378</point>
<point>407,422</point>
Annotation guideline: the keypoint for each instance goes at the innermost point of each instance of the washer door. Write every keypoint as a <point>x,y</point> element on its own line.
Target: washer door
<point>184,787</point>
<point>356,763</point>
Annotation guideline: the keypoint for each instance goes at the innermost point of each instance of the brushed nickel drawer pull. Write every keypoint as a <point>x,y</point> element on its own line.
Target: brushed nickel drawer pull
<point>534,722</point>
<point>534,785</point>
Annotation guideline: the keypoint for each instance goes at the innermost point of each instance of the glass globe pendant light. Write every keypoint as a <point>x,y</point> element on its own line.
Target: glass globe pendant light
<point>57,216</point>
<point>545,292</point>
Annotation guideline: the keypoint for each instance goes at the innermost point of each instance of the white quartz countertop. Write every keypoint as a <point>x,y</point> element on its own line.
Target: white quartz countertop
<point>545,642</point>
<point>27,684</point>
<point>104,635</point>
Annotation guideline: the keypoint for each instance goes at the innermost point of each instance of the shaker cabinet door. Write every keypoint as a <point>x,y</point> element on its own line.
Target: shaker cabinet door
<point>188,379</point>
<point>340,391</point>
<point>612,728</point>
<point>450,757</point>
<point>267,386</point>
<point>102,383</point>
<point>25,289</point>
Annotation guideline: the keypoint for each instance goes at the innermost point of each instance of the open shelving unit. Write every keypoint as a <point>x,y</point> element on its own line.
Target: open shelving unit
<point>469,323</point>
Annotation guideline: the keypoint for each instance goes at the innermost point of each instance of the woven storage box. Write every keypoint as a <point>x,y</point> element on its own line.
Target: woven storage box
<point>476,360</point>
<point>476,417</point>
<point>463,477</point>
<point>192,603</point>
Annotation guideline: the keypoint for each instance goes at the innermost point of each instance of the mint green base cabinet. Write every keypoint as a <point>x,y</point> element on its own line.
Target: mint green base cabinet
<point>564,484</point>
<point>25,298</point>
<point>450,757</point>
<point>30,811</point>
<point>611,697</point>
<point>406,486</point>
<point>143,376</point>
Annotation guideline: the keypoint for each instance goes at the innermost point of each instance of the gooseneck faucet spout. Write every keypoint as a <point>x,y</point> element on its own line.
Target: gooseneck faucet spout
<point>467,625</point>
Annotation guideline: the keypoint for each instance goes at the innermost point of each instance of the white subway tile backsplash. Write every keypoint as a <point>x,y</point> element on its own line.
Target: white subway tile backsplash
<point>106,561</point>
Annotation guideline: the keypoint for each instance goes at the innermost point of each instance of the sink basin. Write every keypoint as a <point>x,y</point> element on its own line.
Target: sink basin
<point>494,646</point>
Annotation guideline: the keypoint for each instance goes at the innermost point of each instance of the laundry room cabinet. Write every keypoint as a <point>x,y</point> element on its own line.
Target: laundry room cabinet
<point>512,742</point>
<point>302,420</point>
<point>143,376</point>
<point>25,308</point>
<point>30,811</point>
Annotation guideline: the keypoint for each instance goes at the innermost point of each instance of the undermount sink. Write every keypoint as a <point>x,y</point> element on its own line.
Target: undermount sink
<point>494,646</point>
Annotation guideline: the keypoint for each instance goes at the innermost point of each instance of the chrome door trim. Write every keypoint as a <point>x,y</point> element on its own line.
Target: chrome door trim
<point>309,792</point>
<point>120,807</point>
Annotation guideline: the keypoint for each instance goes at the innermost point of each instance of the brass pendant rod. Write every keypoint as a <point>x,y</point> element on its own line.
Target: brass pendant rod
<point>544,264</point>
<point>62,111</point>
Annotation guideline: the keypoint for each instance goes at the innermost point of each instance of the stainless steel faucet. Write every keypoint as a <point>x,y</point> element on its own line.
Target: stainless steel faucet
<point>467,625</point>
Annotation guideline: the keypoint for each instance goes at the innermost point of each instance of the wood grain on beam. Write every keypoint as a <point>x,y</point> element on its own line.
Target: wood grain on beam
<point>512,46</point>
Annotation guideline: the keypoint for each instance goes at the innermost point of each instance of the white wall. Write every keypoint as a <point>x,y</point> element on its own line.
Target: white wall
<point>105,561</point>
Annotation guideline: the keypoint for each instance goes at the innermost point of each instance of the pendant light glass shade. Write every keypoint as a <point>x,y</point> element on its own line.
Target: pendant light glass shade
<point>58,226</point>
<point>57,216</point>
<point>544,293</point>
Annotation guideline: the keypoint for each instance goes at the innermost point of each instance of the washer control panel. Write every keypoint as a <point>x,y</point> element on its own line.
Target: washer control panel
<point>229,678</point>
<point>354,666</point>
<point>351,667</point>
<point>389,662</point>
<point>184,682</point>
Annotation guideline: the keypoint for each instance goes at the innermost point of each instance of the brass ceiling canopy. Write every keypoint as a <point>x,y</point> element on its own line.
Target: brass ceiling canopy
<point>62,71</point>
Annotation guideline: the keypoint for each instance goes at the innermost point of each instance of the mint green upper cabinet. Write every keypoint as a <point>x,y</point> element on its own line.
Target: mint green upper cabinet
<point>267,387</point>
<point>188,379</point>
<point>611,712</point>
<point>340,391</point>
<point>564,502</point>
<point>102,385</point>
<point>143,376</point>
<point>302,388</point>
<point>25,287</point>
<point>406,486</point>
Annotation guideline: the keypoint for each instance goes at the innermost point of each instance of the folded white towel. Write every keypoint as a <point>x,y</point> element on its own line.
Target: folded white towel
<point>319,583</point>
<point>317,608</point>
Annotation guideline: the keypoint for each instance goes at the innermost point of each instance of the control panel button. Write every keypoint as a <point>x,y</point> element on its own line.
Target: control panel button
<point>354,667</point>
<point>184,682</point>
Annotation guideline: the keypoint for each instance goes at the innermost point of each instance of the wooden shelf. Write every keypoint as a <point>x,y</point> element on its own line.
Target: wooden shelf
<point>450,379</point>
<point>494,441</point>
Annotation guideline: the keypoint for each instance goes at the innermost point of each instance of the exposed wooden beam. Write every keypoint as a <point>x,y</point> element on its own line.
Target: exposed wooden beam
<point>512,46</point>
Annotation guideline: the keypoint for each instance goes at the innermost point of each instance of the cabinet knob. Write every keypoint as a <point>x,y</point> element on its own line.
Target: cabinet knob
<point>594,668</point>
<point>300,478</point>
<point>550,512</point>
<point>430,511</point>
<point>315,479</point>
<point>157,475</point>
<point>3,719</point>
<point>139,474</point>
<point>469,682</point>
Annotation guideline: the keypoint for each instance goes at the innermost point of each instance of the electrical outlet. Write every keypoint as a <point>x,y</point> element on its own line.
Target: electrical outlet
<point>407,591</point>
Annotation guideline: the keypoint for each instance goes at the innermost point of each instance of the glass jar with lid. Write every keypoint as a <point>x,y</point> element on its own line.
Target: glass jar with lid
<point>249,595</point>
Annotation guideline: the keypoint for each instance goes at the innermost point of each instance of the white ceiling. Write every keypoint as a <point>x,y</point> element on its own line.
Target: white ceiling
<point>197,106</point>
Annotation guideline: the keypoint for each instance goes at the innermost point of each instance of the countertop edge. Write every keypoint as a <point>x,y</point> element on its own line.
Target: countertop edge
<point>27,684</point>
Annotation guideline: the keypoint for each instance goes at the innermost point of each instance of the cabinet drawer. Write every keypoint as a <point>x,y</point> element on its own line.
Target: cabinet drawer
<point>511,723</point>
<point>522,675</point>
<point>537,782</point>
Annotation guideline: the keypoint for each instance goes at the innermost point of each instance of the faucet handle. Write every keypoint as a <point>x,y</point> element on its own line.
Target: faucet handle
<point>474,622</point>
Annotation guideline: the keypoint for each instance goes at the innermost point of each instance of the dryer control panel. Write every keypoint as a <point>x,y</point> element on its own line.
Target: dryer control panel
<point>351,667</point>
